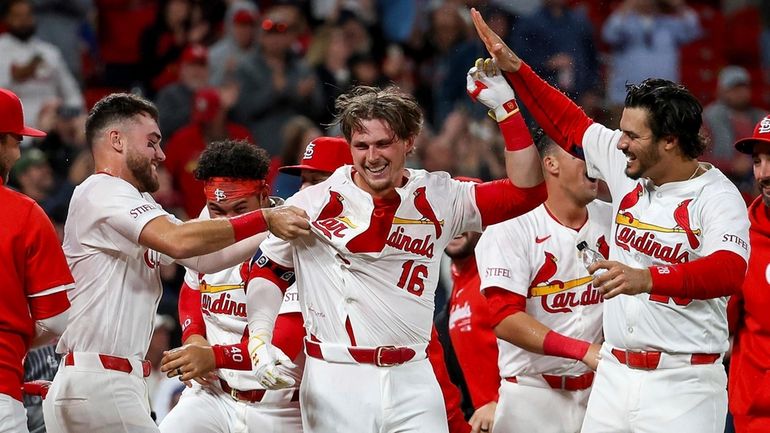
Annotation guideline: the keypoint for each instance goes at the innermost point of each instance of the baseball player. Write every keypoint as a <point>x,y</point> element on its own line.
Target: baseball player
<point>322,157</point>
<point>749,389</point>
<point>114,240</point>
<point>679,244</point>
<point>34,275</point>
<point>470,331</point>
<point>367,276</point>
<point>212,311</point>
<point>541,299</point>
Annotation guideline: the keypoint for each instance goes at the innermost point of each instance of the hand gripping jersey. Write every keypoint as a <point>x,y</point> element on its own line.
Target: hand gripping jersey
<point>367,276</point>
<point>663,225</point>
<point>536,257</point>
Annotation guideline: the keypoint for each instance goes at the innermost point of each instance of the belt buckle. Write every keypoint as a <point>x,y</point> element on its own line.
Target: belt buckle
<point>234,394</point>
<point>378,354</point>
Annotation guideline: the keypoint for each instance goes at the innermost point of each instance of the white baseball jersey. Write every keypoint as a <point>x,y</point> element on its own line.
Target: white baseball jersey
<point>535,256</point>
<point>223,303</point>
<point>117,281</point>
<point>663,225</point>
<point>374,284</point>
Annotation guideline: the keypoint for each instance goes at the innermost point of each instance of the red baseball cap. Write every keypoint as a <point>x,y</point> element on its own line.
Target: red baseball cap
<point>761,133</point>
<point>195,53</point>
<point>245,16</point>
<point>206,105</point>
<point>325,154</point>
<point>12,116</point>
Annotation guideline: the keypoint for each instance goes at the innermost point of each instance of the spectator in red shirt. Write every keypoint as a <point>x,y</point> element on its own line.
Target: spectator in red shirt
<point>34,276</point>
<point>209,123</point>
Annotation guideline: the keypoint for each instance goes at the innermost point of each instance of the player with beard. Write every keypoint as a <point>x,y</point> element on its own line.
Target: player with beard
<point>678,250</point>
<point>470,330</point>
<point>115,239</point>
<point>749,390</point>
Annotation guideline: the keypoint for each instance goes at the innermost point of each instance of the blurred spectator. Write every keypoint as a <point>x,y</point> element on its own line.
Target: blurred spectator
<point>328,55</point>
<point>453,53</point>
<point>275,84</point>
<point>60,23</point>
<point>120,25</point>
<point>209,123</point>
<point>730,117</point>
<point>365,71</point>
<point>397,19</point>
<point>645,42</point>
<point>65,140</point>
<point>31,68</point>
<point>163,43</point>
<point>34,178</point>
<point>297,133</point>
<point>399,69</point>
<point>175,100</point>
<point>238,41</point>
<point>558,43</point>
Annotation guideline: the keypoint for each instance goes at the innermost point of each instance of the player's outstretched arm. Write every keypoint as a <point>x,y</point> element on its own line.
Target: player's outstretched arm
<point>199,237</point>
<point>517,327</point>
<point>225,258</point>
<point>560,118</point>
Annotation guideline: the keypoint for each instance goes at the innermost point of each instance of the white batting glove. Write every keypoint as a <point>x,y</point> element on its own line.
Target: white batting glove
<point>271,363</point>
<point>486,84</point>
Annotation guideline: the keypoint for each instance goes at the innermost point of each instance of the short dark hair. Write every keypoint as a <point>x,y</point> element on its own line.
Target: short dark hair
<point>232,158</point>
<point>116,107</point>
<point>399,110</point>
<point>673,111</point>
<point>543,143</point>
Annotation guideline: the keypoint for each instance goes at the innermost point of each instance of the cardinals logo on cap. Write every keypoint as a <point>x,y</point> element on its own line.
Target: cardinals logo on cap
<point>764,126</point>
<point>309,151</point>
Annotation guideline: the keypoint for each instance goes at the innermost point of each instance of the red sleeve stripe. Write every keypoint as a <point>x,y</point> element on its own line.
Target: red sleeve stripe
<point>503,303</point>
<point>63,287</point>
<point>43,307</point>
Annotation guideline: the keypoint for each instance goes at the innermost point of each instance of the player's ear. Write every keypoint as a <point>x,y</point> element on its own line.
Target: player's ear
<point>116,141</point>
<point>410,145</point>
<point>550,164</point>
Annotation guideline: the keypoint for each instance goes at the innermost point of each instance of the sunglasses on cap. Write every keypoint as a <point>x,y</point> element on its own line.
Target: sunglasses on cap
<point>270,26</point>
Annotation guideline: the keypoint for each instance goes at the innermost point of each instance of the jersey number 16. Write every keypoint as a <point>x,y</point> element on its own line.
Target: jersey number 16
<point>412,277</point>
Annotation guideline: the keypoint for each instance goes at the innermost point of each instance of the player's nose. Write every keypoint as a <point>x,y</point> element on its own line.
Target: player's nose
<point>159,154</point>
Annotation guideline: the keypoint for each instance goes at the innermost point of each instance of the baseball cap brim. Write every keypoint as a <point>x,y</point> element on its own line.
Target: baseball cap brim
<point>31,132</point>
<point>296,170</point>
<point>746,145</point>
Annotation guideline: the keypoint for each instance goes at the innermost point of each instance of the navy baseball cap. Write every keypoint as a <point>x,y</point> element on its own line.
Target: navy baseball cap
<point>761,134</point>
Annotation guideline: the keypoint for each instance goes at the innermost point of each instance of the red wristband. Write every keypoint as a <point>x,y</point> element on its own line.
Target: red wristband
<point>562,346</point>
<point>234,357</point>
<point>515,133</point>
<point>248,224</point>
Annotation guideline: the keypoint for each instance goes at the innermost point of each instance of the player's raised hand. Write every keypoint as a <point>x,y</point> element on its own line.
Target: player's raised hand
<point>485,84</point>
<point>505,58</point>
<point>287,222</point>
<point>271,363</point>
<point>620,279</point>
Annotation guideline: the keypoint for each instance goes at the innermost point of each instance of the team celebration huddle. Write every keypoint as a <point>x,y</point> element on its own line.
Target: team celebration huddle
<point>593,286</point>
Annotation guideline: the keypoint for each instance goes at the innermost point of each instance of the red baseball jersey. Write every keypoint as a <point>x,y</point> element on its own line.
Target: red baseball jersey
<point>472,334</point>
<point>33,266</point>
<point>749,394</point>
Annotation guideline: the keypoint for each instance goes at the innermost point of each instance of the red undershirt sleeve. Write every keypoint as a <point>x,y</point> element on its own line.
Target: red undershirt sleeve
<point>501,200</point>
<point>560,118</point>
<point>503,303</point>
<point>190,315</point>
<point>718,274</point>
<point>43,307</point>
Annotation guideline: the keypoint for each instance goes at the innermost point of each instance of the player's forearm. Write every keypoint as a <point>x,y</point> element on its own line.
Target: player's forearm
<point>200,237</point>
<point>524,331</point>
<point>263,301</point>
<point>716,275</point>
<point>560,118</point>
<point>225,258</point>
<point>522,161</point>
<point>190,315</point>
